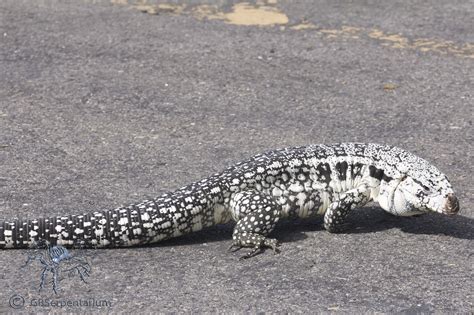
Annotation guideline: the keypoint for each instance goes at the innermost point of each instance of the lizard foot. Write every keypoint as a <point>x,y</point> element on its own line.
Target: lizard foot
<point>257,242</point>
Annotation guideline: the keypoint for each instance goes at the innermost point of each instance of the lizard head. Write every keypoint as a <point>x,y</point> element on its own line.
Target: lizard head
<point>421,188</point>
<point>414,195</point>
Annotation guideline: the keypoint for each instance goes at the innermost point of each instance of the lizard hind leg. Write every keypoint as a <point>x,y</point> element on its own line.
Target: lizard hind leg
<point>256,215</point>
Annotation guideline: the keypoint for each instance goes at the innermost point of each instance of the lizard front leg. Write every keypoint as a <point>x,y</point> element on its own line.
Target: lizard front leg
<point>338,210</point>
<point>256,215</point>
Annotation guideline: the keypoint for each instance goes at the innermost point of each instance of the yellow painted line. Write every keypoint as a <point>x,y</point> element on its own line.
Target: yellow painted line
<point>265,14</point>
<point>423,44</point>
<point>247,14</point>
<point>303,26</point>
<point>242,13</point>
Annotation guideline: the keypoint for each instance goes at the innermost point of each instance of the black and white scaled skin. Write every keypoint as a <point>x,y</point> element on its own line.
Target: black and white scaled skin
<point>327,180</point>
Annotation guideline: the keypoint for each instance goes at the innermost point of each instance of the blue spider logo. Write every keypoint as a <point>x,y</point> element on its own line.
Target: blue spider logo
<point>58,260</point>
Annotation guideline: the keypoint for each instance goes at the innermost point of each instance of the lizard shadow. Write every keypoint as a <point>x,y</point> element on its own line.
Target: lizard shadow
<point>285,232</point>
<point>374,219</point>
<point>364,220</point>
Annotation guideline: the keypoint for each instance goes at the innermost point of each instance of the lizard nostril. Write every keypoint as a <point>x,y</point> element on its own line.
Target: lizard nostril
<point>452,204</point>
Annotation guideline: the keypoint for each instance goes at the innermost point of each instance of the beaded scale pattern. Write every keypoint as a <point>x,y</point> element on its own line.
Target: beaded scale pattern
<point>329,180</point>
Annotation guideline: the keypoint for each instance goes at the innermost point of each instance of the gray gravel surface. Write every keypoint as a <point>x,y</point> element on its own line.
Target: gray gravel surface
<point>103,105</point>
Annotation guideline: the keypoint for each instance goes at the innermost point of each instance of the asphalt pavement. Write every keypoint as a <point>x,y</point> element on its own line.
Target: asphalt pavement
<point>104,103</point>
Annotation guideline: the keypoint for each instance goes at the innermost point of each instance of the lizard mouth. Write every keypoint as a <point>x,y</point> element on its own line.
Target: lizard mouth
<point>451,206</point>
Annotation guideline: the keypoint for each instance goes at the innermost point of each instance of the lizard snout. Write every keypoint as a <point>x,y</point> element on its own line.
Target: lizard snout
<point>451,206</point>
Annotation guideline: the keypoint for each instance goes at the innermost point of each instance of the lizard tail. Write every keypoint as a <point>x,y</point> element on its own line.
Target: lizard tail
<point>127,226</point>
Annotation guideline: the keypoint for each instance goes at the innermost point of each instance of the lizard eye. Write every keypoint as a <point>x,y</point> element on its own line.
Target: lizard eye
<point>425,190</point>
<point>422,188</point>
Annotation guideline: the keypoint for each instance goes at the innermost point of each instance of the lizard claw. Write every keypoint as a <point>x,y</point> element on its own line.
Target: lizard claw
<point>255,251</point>
<point>230,249</point>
